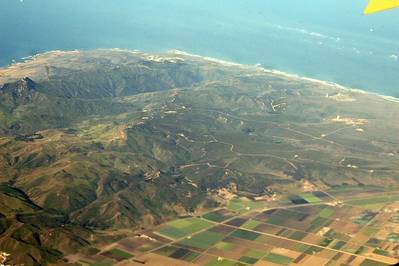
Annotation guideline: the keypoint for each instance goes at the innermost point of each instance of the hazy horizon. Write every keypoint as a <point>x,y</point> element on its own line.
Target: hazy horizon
<point>329,39</point>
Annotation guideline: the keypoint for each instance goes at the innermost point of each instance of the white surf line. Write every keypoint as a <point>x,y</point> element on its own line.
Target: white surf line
<point>287,75</point>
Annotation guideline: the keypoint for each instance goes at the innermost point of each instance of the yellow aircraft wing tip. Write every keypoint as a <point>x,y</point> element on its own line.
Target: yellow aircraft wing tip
<point>375,6</point>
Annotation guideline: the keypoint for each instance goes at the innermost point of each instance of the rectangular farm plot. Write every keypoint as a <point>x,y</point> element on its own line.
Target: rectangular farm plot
<point>237,222</point>
<point>248,260</point>
<point>244,234</point>
<point>268,228</point>
<point>326,213</point>
<point>310,198</point>
<point>257,254</point>
<point>222,229</point>
<point>251,224</point>
<point>149,246</point>
<point>374,203</point>
<point>285,218</point>
<point>224,262</point>
<point>298,235</point>
<point>225,246</point>
<point>243,205</point>
<point>117,254</point>
<point>166,251</point>
<point>191,256</point>
<point>184,227</point>
<point>177,253</point>
<point>252,256</point>
<point>364,217</point>
<point>368,262</point>
<point>218,216</point>
<point>203,240</point>
<point>312,233</point>
<point>278,259</point>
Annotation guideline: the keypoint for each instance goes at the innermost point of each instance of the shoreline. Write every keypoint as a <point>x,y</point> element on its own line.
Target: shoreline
<point>214,60</point>
<point>290,75</point>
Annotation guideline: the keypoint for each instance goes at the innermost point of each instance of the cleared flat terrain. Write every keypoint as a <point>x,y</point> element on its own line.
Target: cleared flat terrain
<point>328,232</point>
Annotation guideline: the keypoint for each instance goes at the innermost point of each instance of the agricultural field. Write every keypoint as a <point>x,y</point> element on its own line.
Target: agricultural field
<point>322,231</point>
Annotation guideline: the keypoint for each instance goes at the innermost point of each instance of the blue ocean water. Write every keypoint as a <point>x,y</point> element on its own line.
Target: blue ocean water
<point>325,39</point>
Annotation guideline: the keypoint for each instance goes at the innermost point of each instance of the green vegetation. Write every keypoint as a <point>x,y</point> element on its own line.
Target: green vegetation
<point>372,263</point>
<point>393,237</point>
<point>278,259</point>
<point>276,220</point>
<point>364,218</point>
<point>325,242</point>
<point>191,256</point>
<point>338,245</point>
<point>101,263</point>
<point>374,203</point>
<point>309,197</point>
<point>248,260</point>
<point>373,242</point>
<point>224,262</point>
<point>255,254</point>
<point>183,227</point>
<point>171,232</point>
<point>298,235</point>
<point>361,250</point>
<point>380,251</point>
<point>242,205</point>
<point>370,231</point>
<point>326,212</point>
<point>244,234</point>
<point>214,216</point>
<point>313,250</point>
<point>316,224</point>
<point>120,253</point>
<point>203,240</point>
<point>251,224</point>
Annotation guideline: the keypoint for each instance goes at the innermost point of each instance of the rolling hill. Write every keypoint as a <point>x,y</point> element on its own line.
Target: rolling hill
<point>97,141</point>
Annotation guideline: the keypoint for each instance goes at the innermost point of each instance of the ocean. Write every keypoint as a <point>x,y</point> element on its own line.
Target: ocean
<point>329,40</point>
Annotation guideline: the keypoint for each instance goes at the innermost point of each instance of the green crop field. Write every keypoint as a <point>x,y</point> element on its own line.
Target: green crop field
<point>278,259</point>
<point>203,240</point>
<point>244,234</point>
<point>248,260</point>
<point>338,245</point>
<point>184,227</point>
<point>121,253</point>
<point>326,212</point>
<point>190,256</point>
<point>251,224</point>
<point>309,197</point>
<point>214,216</point>
<point>101,263</point>
<point>374,203</point>
<point>224,262</point>
<point>298,235</point>
<point>255,254</point>
<point>372,263</point>
<point>243,205</point>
